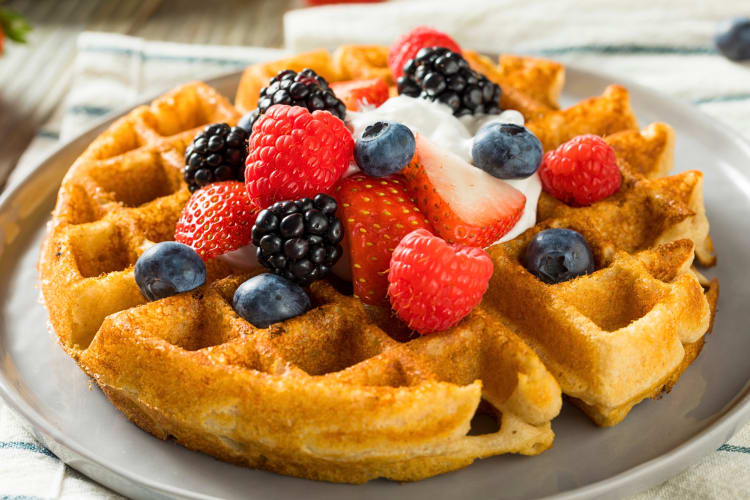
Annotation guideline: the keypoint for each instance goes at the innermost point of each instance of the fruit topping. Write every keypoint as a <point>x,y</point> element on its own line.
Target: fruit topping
<point>376,214</point>
<point>217,154</point>
<point>439,74</point>
<point>294,153</point>
<point>169,268</point>
<point>306,89</point>
<point>358,94</point>
<point>299,240</point>
<point>464,204</point>
<point>433,284</point>
<point>266,299</point>
<point>733,39</point>
<point>217,219</point>
<point>557,255</point>
<point>384,148</point>
<point>581,171</point>
<point>408,44</point>
<point>506,151</point>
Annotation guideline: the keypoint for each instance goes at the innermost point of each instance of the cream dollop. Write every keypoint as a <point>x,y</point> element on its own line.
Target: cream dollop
<point>435,121</point>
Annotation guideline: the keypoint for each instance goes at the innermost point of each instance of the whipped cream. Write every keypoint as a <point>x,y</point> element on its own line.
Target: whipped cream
<point>435,121</point>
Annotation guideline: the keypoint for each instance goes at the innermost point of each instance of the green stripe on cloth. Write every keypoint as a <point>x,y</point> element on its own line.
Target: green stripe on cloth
<point>628,49</point>
<point>734,449</point>
<point>81,109</point>
<point>222,61</point>
<point>722,98</point>
<point>22,445</point>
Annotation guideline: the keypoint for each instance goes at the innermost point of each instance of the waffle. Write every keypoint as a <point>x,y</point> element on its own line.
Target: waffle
<point>345,392</point>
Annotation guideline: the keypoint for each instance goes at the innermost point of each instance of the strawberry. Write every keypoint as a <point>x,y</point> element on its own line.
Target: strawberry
<point>217,219</point>
<point>294,154</point>
<point>463,203</point>
<point>432,284</point>
<point>360,93</point>
<point>376,213</point>
<point>408,44</point>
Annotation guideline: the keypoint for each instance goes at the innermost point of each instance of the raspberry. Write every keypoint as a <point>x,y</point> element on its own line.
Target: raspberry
<point>433,284</point>
<point>408,44</point>
<point>581,171</point>
<point>217,219</point>
<point>296,154</point>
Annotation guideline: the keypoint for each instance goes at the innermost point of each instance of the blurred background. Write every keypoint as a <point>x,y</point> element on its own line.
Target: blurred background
<point>35,76</point>
<point>85,58</point>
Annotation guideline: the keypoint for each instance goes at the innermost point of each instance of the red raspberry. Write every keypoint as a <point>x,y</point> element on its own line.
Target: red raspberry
<point>217,219</point>
<point>295,154</point>
<point>581,171</point>
<point>433,284</point>
<point>408,44</point>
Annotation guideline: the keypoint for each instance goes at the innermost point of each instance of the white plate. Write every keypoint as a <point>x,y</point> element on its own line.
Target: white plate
<point>657,440</point>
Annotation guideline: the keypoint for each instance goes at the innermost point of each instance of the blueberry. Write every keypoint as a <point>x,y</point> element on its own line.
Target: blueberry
<point>557,255</point>
<point>733,39</point>
<point>169,268</point>
<point>267,298</point>
<point>246,122</point>
<point>384,148</point>
<point>506,151</point>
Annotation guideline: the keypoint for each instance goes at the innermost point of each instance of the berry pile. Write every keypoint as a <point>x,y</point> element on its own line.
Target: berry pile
<point>439,74</point>
<point>299,240</point>
<point>217,154</point>
<point>306,89</point>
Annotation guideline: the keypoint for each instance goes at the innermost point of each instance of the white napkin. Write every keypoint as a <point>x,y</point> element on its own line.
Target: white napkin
<point>664,44</point>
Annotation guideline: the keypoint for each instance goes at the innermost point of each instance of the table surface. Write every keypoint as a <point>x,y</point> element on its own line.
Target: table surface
<point>35,78</point>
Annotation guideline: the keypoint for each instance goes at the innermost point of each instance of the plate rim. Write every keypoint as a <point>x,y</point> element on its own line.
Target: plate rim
<point>636,478</point>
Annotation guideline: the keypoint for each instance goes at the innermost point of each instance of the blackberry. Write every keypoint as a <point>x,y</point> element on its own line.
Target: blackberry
<point>306,89</point>
<point>439,74</point>
<point>216,154</point>
<point>299,239</point>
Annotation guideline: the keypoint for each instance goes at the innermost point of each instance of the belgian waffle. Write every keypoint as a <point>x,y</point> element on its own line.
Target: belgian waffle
<point>345,392</point>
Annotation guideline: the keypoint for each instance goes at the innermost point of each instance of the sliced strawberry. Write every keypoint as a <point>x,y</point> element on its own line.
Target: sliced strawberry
<point>358,93</point>
<point>217,219</point>
<point>465,204</point>
<point>377,213</point>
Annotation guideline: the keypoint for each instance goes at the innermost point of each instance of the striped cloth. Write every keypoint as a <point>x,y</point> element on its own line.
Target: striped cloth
<point>665,44</point>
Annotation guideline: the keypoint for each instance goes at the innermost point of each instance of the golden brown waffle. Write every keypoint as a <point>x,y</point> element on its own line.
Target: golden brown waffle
<point>344,392</point>
<point>328,395</point>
